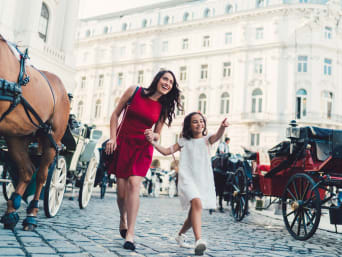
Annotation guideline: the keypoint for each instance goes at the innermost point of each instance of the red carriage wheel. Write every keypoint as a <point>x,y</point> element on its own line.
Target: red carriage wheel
<point>239,202</point>
<point>301,206</point>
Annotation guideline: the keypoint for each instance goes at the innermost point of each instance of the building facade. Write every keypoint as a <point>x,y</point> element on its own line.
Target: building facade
<point>260,63</point>
<point>47,28</point>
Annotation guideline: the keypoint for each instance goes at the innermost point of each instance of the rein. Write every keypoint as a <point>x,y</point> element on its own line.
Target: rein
<point>12,92</point>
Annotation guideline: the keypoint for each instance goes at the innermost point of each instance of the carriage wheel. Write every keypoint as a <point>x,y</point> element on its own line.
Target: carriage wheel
<point>87,183</point>
<point>172,188</point>
<point>301,206</point>
<point>55,187</point>
<point>156,188</point>
<point>7,187</point>
<point>239,201</point>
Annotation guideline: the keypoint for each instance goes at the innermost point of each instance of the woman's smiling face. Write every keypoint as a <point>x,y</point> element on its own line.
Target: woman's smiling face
<point>165,83</point>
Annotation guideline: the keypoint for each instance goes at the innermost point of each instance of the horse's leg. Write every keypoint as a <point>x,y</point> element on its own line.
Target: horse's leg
<point>47,157</point>
<point>18,150</point>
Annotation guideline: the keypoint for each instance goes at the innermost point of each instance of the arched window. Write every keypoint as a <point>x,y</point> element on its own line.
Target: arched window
<point>327,102</point>
<point>229,8</point>
<point>301,98</point>
<point>166,20</point>
<point>43,22</point>
<point>80,110</point>
<point>105,30</point>
<point>186,16</point>
<point>256,100</point>
<point>182,102</point>
<point>124,27</point>
<point>224,103</point>
<point>206,13</point>
<point>97,112</point>
<point>202,103</point>
<point>144,23</point>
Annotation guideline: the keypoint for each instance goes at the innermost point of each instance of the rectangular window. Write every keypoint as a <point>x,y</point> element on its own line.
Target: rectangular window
<point>182,73</point>
<point>83,82</point>
<point>206,41</point>
<point>185,43</point>
<point>303,1</point>
<point>228,39</point>
<point>165,46</point>
<point>255,139</point>
<point>259,33</point>
<point>204,71</point>
<point>140,77</point>
<point>101,79</point>
<point>327,32</point>
<point>327,66</point>
<point>258,69</point>
<point>120,78</point>
<point>302,64</point>
<point>227,69</point>
<point>260,3</point>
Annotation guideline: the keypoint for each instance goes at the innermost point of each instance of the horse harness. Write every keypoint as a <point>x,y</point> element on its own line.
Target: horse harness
<point>12,92</point>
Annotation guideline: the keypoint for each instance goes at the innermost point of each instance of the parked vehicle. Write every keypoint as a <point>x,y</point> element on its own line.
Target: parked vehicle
<point>76,165</point>
<point>305,173</point>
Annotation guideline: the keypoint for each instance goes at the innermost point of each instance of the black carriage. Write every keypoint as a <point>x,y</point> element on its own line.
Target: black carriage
<point>305,174</point>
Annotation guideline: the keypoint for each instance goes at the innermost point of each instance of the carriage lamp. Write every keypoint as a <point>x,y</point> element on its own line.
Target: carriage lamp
<point>308,147</point>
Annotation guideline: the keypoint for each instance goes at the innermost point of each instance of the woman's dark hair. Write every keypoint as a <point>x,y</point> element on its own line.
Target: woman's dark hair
<point>187,132</point>
<point>168,101</point>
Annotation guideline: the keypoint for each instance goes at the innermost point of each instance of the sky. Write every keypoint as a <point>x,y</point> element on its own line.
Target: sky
<point>90,8</point>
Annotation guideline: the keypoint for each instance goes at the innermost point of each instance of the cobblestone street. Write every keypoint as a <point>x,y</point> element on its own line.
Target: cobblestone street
<point>94,232</point>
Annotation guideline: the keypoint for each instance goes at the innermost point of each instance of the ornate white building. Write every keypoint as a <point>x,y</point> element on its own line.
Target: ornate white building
<point>261,63</point>
<point>47,28</point>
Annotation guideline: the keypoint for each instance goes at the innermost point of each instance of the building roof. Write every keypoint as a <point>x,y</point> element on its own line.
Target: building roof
<point>119,14</point>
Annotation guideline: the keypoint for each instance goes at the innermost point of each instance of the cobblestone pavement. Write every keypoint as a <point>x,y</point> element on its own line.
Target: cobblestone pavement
<point>94,232</point>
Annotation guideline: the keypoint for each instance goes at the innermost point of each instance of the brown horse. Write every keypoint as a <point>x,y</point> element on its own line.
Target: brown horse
<point>47,96</point>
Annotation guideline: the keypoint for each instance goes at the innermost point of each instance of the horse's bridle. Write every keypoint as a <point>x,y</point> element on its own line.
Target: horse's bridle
<point>12,92</point>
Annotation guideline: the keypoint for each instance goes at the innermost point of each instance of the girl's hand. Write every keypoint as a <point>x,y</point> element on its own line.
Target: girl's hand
<point>149,135</point>
<point>225,123</point>
<point>110,146</point>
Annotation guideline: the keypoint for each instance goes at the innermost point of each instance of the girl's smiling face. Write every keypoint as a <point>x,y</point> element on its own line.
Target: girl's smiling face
<point>197,125</point>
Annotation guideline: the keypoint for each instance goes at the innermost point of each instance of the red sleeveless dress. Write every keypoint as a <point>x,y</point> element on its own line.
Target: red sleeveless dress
<point>133,155</point>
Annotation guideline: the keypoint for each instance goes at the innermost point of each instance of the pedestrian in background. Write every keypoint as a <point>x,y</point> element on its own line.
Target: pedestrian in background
<point>152,106</point>
<point>219,175</point>
<point>196,182</point>
<point>223,147</point>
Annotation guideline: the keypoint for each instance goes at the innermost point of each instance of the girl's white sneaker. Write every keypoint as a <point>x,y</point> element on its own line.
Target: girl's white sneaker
<point>181,240</point>
<point>200,247</point>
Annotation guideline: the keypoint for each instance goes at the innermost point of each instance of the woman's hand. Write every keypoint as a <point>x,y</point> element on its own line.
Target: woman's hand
<point>225,123</point>
<point>110,146</point>
<point>149,135</point>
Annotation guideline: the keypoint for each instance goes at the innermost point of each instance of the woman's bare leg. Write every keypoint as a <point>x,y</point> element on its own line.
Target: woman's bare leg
<point>196,217</point>
<point>187,224</point>
<point>121,197</point>
<point>132,204</point>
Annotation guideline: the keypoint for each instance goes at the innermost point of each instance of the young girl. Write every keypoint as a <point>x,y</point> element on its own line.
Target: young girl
<point>196,182</point>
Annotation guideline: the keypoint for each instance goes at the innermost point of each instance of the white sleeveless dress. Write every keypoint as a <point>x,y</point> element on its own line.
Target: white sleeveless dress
<point>195,177</point>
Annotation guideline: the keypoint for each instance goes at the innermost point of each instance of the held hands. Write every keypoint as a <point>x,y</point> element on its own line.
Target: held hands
<point>225,123</point>
<point>149,135</point>
<point>110,146</point>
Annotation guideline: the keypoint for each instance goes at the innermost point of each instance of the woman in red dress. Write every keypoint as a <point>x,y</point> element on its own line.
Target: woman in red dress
<point>150,106</point>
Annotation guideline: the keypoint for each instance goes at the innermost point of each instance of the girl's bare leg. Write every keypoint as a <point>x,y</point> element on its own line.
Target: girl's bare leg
<point>121,195</point>
<point>132,204</point>
<point>187,224</point>
<point>196,217</point>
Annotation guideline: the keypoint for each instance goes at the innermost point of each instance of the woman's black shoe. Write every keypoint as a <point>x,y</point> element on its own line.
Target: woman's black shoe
<point>123,233</point>
<point>129,245</point>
